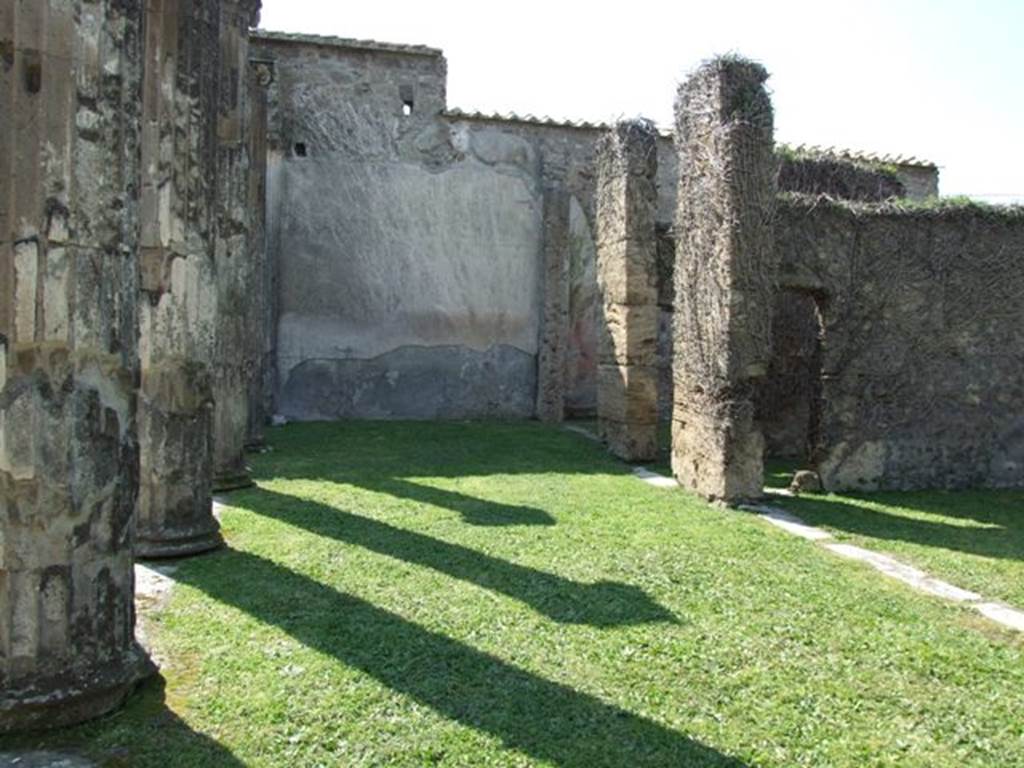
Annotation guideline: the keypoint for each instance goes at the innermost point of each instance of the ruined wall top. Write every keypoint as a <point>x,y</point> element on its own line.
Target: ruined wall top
<point>912,177</point>
<point>344,43</point>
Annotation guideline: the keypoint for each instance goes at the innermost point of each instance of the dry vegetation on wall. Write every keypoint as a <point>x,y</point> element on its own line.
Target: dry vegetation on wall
<point>726,204</point>
<point>923,338</point>
<point>838,177</point>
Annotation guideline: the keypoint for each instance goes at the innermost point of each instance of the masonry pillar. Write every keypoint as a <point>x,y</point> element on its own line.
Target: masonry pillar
<point>627,383</point>
<point>237,268</point>
<point>724,277</point>
<point>554,338</point>
<point>178,310</point>
<point>70,85</point>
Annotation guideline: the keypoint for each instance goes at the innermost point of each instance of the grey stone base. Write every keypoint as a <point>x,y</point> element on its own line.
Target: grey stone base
<point>62,702</point>
<point>443,382</point>
<point>234,481</point>
<point>179,546</point>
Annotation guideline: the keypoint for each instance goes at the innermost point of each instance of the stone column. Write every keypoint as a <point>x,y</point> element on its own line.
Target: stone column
<point>725,277</point>
<point>627,374</point>
<point>237,270</point>
<point>178,310</point>
<point>261,307</point>
<point>554,335</point>
<point>69,366</point>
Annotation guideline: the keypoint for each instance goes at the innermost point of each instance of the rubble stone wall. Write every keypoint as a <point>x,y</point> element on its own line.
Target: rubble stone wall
<point>380,310</point>
<point>923,340</point>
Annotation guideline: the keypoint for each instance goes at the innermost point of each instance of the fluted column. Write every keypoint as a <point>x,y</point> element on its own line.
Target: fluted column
<point>178,306</point>
<point>238,266</point>
<point>69,366</point>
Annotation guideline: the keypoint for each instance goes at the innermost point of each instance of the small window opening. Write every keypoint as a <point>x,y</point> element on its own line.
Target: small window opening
<point>405,93</point>
<point>300,149</point>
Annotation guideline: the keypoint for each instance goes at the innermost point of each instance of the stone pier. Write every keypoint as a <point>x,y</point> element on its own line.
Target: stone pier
<point>178,309</point>
<point>70,74</point>
<point>724,277</point>
<point>555,313</point>
<point>627,384</point>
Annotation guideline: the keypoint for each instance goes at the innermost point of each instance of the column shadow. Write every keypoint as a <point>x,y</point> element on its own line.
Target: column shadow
<point>1001,514</point>
<point>602,604</point>
<point>473,510</point>
<point>153,737</point>
<point>548,721</point>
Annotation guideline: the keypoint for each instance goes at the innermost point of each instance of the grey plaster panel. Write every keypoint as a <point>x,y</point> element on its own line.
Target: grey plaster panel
<point>443,382</point>
<point>380,256</point>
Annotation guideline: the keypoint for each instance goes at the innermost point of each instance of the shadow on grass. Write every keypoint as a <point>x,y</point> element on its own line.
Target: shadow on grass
<point>1000,513</point>
<point>473,510</point>
<point>602,604</point>
<point>546,720</point>
<point>391,455</point>
<point>142,734</point>
<point>387,449</point>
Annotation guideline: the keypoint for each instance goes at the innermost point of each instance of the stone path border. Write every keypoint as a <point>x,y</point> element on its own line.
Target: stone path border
<point>576,430</point>
<point>1005,615</point>
<point>653,478</point>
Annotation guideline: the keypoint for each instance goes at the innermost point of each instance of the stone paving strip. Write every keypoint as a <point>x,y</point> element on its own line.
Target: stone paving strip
<point>915,578</point>
<point>582,431</point>
<point>653,478</point>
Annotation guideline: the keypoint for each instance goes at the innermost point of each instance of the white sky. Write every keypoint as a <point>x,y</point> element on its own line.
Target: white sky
<point>938,79</point>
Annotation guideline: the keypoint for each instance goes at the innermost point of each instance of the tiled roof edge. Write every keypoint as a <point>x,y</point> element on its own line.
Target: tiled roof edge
<point>802,149</point>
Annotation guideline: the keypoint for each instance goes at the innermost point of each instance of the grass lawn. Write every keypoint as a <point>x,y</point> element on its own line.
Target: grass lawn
<point>509,595</point>
<point>974,539</point>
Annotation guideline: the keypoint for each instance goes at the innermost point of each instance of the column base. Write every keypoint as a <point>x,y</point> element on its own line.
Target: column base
<point>60,703</point>
<point>232,481</point>
<point>177,546</point>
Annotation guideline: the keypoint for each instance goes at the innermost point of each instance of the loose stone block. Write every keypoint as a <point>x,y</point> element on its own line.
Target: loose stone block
<point>627,387</point>
<point>725,276</point>
<point>69,359</point>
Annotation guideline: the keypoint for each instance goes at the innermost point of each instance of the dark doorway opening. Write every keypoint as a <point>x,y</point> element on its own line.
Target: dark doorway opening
<point>788,401</point>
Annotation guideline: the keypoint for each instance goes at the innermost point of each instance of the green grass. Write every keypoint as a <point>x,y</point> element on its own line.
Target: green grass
<point>508,595</point>
<point>974,539</point>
